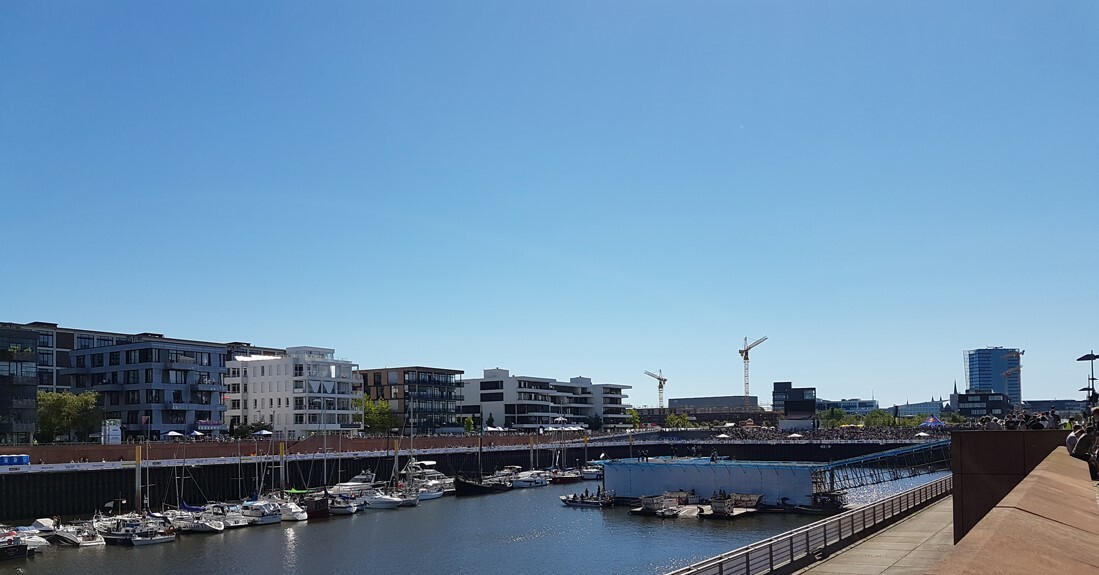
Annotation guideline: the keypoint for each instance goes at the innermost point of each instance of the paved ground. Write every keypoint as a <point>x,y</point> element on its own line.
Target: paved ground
<point>913,546</point>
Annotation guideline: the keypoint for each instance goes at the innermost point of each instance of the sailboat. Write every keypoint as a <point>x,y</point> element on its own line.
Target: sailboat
<point>480,485</point>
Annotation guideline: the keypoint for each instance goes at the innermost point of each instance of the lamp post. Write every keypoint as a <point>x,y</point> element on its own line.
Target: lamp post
<point>1091,357</point>
<point>323,401</point>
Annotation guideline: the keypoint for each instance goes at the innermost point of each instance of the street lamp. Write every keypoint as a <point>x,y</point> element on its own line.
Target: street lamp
<point>1091,357</point>
<point>323,401</point>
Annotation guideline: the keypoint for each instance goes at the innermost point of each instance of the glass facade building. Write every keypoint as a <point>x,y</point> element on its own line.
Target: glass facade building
<point>995,369</point>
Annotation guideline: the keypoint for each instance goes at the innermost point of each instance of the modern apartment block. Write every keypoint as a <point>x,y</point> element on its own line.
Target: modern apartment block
<point>995,369</point>
<point>426,398</point>
<point>533,403</point>
<point>18,384</point>
<point>304,391</point>
<point>153,384</point>
<point>975,404</point>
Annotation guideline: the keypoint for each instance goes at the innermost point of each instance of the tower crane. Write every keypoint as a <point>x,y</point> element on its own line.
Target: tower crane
<point>660,381</point>
<point>744,354</point>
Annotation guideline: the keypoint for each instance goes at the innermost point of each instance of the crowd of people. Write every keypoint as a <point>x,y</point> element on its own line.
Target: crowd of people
<point>1082,444</point>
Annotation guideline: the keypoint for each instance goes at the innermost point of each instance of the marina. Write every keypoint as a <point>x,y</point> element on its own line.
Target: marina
<point>522,530</point>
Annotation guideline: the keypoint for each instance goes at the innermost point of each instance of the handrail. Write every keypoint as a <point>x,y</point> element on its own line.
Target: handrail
<point>781,550</point>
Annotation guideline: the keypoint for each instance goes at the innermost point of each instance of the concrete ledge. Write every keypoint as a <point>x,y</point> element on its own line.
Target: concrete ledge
<point>1048,524</point>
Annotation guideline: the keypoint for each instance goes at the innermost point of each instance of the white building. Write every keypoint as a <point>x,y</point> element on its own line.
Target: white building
<point>923,408</point>
<point>303,392</point>
<point>532,403</point>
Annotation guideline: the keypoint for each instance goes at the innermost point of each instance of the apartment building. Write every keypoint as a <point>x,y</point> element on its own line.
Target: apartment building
<point>305,390</point>
<point>535,403</point>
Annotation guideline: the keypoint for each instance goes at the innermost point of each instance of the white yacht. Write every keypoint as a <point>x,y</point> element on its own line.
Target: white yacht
<point>79,534</point>
<point>375,499</point>
<point>229,514</point>
<point>261,512</point>
<point>533,478</point>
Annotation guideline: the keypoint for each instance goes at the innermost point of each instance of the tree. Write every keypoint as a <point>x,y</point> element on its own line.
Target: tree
<point>468,424</point>
<point>878,418</point>
<point>246,431</point>
<point>490,421</point>
<point>375,414</point>
<point>832,417</point>
<point>635,418</point>
<point>595,423</point>
<point>677,420</point>
<point>64,413</point>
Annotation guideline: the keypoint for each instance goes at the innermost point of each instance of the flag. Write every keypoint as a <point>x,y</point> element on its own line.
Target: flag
<point>144,419</point>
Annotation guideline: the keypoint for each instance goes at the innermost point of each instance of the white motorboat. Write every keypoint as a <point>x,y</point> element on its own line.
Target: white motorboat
<point>357,484</point>
<point>526,479</point>
<point>261,512</point>
<point>375,499</point>
<point>229,514</point>
<point>153,536</point>
<point>590,472</point>
<point>429,492</point>
<point>337,505</point>
<point>422,474</point>
<point>78,534</point>
<point>194,521</point>
<point>291,511</point>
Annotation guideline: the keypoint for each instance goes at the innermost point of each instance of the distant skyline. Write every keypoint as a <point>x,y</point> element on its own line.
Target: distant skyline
<point>567,189</point>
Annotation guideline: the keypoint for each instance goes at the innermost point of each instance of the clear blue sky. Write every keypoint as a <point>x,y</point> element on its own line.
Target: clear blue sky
<point>566,188</point>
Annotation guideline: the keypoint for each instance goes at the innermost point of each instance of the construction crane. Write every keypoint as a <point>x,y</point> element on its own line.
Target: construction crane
<point>660,381</point>
<point>744,354</point>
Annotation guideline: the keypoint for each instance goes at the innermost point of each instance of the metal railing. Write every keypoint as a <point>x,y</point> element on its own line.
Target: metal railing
<point>782,550</point>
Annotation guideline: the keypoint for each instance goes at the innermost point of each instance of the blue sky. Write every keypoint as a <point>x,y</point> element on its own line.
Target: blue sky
<point>566,188</point>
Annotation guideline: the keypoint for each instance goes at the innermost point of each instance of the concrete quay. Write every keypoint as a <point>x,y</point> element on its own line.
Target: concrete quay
<point>1048,522</point>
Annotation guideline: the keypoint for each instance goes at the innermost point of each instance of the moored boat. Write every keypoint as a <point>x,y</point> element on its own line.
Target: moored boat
<point>81,534</point>
<point>479,486</point>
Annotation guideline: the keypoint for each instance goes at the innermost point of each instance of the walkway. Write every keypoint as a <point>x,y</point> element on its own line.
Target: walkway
<point>912,546</point>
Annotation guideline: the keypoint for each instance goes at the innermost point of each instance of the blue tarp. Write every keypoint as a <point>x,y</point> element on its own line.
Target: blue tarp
<point>932,421</point>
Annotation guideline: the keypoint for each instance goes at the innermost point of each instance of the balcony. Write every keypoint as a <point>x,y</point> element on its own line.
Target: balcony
<point>209,386</point>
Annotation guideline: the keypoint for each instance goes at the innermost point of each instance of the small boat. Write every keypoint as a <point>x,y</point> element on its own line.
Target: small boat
<point>526,479</point>
<point>589,472</point>
<point>667,512</point>
<point>341,505</point>
<point>131,527</point>
<point>82,534</point>
<point>431,491</point>
<point>229,514</point>
<point>14,547</point>
<point>153,536</point>
<point>588,501</point>
<point>375,499</point>
<point>259,512</point>
<point>186,521</point>
<point>292,511</point>
<point>566,476</point>
<point>659,504</point>
<point>315,506</point>
<point>824,503</point>
<point>30,535</point>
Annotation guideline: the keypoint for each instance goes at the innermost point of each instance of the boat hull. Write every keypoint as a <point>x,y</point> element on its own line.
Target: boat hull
<point>463,487</point>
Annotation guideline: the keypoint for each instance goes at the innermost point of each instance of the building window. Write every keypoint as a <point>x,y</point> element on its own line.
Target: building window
<point>132,356</point>
<point>84,341</point>
<point>97,360</point>
<point>132,376</point>
<point>79,361</point>
<point>116,358</point>
<point>45,339</point>
<point>486,397</point>
<point>45,358</point>
<point>152,396</point>
<point>104,341</point>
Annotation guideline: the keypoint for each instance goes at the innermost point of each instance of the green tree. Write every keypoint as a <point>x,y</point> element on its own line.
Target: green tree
<point>878,418</point>
<point>833,417</point>
<point>677,420</point>
<point>490,421</point>
<point>375,414</point>
<point>468,424</point>
<point>954,417</point>
<point>246,431</point>
<point>635,418</point>
<point>595,423</point>
<point>68,414</point>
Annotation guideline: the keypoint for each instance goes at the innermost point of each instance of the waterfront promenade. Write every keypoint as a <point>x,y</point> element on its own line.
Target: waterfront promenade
<point>914,545</point>
<point>1048,523</point>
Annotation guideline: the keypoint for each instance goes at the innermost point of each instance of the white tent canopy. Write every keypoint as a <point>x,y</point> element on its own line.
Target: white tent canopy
<point>196,433</point>
<point>722,436</point>
<point>794,436</point>
<point>174,434</point>
<point>263,432</point>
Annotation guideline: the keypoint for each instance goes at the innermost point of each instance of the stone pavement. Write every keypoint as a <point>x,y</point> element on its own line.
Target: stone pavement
<point>914,545</point>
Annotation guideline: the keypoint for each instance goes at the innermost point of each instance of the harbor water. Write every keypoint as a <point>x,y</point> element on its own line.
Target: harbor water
<point>524,531</point>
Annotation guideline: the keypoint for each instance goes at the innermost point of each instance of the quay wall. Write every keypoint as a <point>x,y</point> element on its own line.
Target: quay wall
<point>58,487</point>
